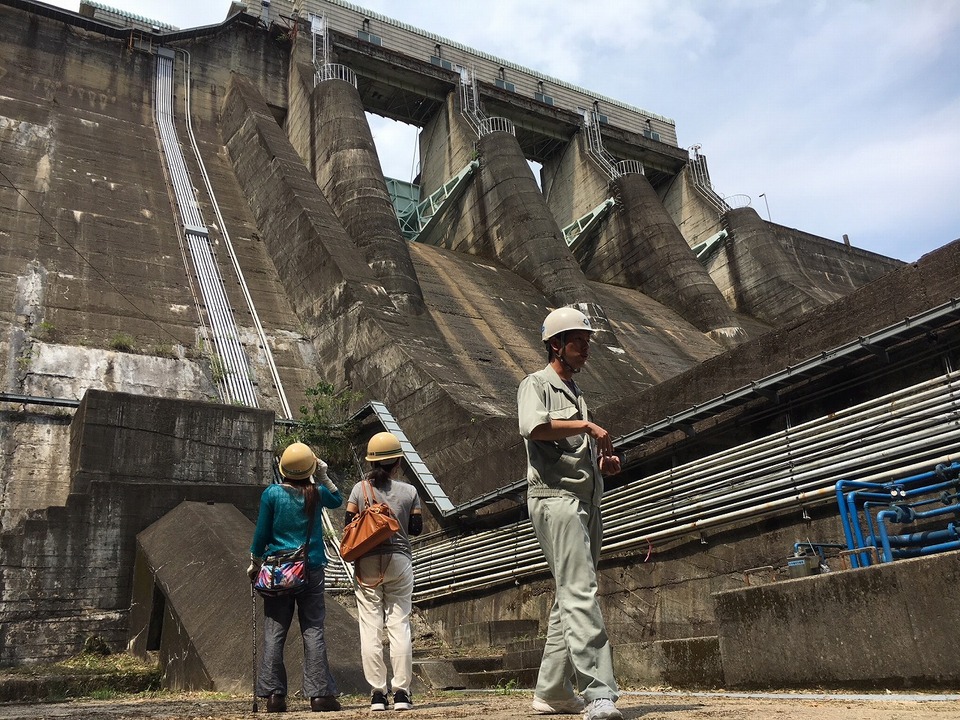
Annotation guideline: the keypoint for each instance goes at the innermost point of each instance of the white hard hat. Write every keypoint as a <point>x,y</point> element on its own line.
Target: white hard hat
<point>562,320</point>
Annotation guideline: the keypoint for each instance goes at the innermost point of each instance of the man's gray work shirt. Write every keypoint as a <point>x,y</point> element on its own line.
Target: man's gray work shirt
<point>558,467</point>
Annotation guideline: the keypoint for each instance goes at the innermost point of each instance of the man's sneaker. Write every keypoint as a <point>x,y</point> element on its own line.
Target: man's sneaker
<point>402,701</point>
<point>378,701</point>
<point>571,706</point>
<point>601,709</point>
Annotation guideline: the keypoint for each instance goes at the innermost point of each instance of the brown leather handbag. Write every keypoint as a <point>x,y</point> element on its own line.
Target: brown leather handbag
<point>374,524</point>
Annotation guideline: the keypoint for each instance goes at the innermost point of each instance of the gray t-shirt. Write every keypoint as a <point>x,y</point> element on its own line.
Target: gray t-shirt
<point>403,500</point>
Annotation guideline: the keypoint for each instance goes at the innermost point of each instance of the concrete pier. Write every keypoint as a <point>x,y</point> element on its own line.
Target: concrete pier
<point>338,147</point>
<point>503,214</point>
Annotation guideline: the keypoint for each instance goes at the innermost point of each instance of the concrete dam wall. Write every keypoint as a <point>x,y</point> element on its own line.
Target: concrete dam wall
<point>98,295</point>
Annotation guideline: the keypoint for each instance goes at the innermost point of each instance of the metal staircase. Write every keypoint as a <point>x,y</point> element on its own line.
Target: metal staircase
<point>612,167</point>
<point>701,181</point>
<point>581,228</point>
<point>436,497</point>
<point>470,108</point>
<point>415,218</point>
<point>323,69</point>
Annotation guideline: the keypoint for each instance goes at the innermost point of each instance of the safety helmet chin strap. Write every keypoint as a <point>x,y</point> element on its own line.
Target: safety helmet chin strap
<point>560,355</point>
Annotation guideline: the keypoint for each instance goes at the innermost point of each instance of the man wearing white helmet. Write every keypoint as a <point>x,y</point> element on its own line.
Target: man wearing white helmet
<point>567,455</point>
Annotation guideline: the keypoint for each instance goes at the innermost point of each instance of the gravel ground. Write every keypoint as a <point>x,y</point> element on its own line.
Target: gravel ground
<point>513,704</point>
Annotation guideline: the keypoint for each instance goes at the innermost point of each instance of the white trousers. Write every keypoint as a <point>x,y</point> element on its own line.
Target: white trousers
<point>386,606</point>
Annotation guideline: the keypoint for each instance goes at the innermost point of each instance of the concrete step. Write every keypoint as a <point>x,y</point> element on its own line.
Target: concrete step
<point>453,673</point>
<point>520,679</point>
<point>526,658</point>
<point>495,633</point>
<point>477,664</point>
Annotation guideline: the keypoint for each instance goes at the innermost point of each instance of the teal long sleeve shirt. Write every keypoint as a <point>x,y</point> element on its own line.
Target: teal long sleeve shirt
<point>282,523</point>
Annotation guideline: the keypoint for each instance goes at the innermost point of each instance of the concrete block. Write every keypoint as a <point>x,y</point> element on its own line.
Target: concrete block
<point>202,611</point>
<point>895,625</point>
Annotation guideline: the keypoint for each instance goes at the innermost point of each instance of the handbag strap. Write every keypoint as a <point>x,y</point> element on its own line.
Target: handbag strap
<point>306,545</point>
<point>368,501</point>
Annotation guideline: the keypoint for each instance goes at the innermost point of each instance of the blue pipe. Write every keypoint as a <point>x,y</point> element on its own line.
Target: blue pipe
<point>903,514</point>
<point>845,515</point>
<point>852,498</point>
<point>922,538</point>
<point>926,550</point>
<point>863,492</point>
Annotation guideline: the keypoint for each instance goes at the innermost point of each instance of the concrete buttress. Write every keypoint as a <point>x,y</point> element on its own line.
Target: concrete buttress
<point>638,246</point>
<point>503,214</point>
<point>776,281</point>
<point>360,338</point>
<point>343,158</point>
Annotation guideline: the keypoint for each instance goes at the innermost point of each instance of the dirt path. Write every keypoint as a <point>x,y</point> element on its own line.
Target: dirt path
<point>504,706</point>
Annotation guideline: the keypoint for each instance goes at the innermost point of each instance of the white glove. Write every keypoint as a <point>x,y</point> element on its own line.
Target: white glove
<point>321,474</point>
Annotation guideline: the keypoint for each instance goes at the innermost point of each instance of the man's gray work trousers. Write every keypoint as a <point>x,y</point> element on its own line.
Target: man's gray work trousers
<point>577,655</point>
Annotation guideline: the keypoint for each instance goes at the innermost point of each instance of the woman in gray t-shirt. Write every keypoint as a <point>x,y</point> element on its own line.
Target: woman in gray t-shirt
<point>384,575</point>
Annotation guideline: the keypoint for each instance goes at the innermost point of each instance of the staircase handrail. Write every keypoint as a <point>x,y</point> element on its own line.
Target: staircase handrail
<point>701,182</point>
<point>335,71</point>
<point>611,167</point>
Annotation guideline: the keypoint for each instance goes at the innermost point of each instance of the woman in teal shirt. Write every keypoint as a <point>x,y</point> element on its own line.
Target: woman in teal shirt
<point>285,516</point>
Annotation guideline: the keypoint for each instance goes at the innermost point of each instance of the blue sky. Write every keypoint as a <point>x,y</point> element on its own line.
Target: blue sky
<point>845,115</point>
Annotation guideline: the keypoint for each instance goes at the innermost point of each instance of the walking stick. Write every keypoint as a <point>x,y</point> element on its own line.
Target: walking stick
<point>253,616</point>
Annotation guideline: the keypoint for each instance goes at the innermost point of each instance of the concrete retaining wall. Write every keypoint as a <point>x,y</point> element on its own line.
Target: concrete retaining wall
<point>66,571</point>
<point>895,625</point>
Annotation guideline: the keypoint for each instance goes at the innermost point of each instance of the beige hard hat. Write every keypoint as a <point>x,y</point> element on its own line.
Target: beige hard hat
<point>297,462</point>
<point>383,446</point>
<point>562,320</point>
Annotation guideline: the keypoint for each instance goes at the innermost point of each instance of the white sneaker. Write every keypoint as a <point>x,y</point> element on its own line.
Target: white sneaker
<point>601,709</point>
<point>572,706</point>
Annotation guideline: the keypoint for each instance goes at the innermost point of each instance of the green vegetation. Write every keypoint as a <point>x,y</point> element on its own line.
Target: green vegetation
<point>505,688</point>
<point>92,673</point>
<point>165,350</point>
<point>122,342</point>
<point>217,369</point>
<point>45,330</point>
<point>324,425</point>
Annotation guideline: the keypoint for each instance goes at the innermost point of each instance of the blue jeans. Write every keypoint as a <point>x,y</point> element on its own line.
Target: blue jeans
<point>277,616</point>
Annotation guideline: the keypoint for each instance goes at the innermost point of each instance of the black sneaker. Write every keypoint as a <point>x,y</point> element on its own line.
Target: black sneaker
<point>378,702</point>
<point>402,701</point>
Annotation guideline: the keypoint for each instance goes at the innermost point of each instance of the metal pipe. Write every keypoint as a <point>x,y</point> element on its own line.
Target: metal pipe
<point>919,410</point>
<point>261,333</point>
<point>716,471</point>
<point>886,494</point>
<point>235,383</point>
<point>926,550</point>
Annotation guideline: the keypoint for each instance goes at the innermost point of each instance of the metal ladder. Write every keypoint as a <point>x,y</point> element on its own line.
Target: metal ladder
<point>323,69</point>
<point>701,181</point>
<point>470,108</point>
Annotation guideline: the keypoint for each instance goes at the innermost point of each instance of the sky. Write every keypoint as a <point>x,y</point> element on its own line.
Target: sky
<point>835,116</point>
